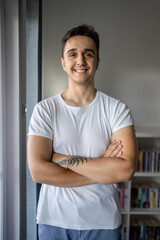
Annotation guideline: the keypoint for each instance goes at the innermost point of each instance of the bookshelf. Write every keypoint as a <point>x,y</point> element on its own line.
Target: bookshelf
<point>146,179</point>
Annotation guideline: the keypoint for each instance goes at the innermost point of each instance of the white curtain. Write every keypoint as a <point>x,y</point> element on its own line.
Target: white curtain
<point>1,116</point>
<point>9,120</point>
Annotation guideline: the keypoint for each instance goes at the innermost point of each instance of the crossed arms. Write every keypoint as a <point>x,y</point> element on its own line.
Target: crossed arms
<point>113,167</point>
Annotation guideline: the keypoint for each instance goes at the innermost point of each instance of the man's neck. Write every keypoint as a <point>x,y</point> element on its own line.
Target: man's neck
<point>79,97</point>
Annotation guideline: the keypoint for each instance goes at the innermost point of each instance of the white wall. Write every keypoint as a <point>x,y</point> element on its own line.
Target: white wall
<point>130,51</point>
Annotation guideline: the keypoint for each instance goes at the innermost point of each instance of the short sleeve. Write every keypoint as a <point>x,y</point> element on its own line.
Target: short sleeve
<point>40,122</point>
<point>120,117</point>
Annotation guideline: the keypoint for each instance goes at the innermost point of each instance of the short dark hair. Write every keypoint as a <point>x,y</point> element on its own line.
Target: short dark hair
<point>82,30</point>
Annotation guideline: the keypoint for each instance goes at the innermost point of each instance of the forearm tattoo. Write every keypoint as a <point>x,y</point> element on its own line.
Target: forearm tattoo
<point>72,160</point>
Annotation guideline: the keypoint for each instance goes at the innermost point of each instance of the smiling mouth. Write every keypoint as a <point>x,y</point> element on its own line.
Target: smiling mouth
<point>80,70</point>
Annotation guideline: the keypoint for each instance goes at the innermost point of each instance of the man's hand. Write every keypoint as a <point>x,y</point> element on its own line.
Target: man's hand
<point>114,149</point>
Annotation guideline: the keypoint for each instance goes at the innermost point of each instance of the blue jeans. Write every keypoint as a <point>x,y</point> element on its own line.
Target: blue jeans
<point>47,232</point>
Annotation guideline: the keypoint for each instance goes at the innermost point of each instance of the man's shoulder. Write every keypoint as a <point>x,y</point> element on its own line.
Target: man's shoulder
<point>49,101</point>
<point>112,103</point>
<point>47,105</point>
<point>107,98</point>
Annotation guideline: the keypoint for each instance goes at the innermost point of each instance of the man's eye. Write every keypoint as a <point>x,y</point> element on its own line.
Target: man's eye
<point>72,55</point>
<point>88,54</point>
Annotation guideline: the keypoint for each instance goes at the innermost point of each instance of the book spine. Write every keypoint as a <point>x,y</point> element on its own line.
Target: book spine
<point>145,196</point>
<point>148,160</point>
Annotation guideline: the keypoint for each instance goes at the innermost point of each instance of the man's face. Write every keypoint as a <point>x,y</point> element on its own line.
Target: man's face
<point>80,59</point>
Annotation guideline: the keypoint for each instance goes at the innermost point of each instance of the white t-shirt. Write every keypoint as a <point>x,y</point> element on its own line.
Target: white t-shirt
<point>81,131</point>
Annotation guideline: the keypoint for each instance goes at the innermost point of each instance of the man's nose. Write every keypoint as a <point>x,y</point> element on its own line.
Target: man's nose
<point>81,59</point>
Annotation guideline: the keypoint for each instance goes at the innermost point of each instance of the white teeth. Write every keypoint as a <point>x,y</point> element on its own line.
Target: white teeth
<point>80,70</point>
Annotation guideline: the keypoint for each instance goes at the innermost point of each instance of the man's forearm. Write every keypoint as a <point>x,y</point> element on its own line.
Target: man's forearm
<point>92,168</point>
<point>102,170</point>
<point>54,175</point>
<point>113,169</point>
<point>44,171</point>
<point>110,169</point>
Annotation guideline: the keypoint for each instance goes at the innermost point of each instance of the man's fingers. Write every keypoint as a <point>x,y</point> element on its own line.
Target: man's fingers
<point>116,150</point>
<point>119,154</point>
<point>113,149</point>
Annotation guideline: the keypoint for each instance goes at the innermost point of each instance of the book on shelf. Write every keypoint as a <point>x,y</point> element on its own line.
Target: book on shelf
<point>146,228</point>
<point>148,160</point>
<point>146,195</point>
<point>122,191</point>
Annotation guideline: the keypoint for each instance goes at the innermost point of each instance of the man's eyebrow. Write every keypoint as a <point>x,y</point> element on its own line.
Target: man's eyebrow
<point>86,50</point>
<point>89,50</point>
<point>71,50</point>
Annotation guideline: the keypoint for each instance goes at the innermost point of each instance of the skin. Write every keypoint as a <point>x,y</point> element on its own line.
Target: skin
<point>80,62</point>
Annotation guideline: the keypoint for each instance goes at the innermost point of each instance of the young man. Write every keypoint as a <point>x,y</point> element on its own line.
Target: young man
<point>74,149</point>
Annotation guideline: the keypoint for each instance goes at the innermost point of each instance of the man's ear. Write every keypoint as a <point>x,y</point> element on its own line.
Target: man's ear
<point>63,64</point>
